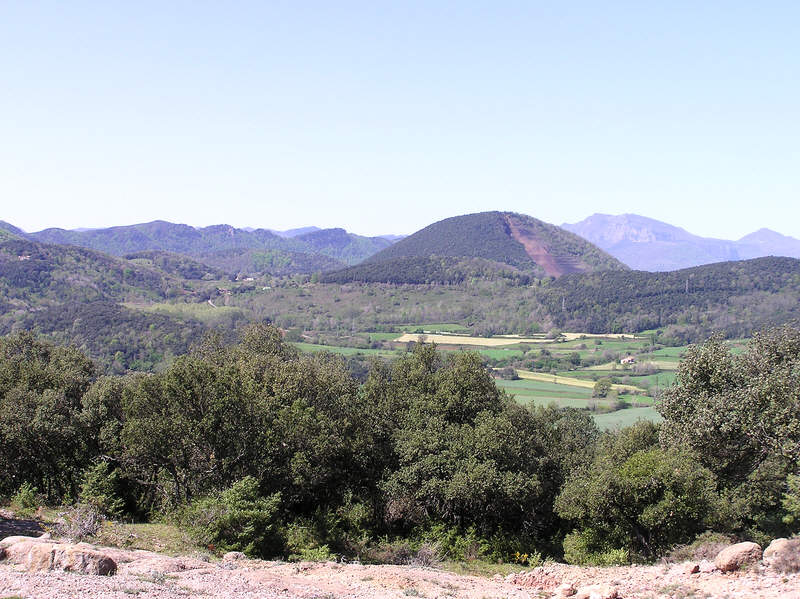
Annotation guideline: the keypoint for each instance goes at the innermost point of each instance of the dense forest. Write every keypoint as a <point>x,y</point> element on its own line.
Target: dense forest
<point>730,297</point>
<point>254,447</point>
<point>423,270</point>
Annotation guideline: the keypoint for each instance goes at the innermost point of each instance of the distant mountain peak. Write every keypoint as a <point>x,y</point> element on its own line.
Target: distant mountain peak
<point>505,238</point>
<point>647,244</point>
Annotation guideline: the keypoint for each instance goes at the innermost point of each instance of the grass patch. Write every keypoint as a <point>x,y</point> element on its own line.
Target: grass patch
<point>162,538</point>
<point>344,351</point>
<point>626,417</point>
<point>204,312</point>
<point>567,380</point>
<point>483,568</point>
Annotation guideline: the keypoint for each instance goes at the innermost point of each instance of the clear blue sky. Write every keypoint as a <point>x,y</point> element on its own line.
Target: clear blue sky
<point>385,116</point>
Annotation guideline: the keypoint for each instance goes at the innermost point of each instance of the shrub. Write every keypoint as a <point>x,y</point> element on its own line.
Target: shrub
<point>428,555</point>
<point>99,489</point>
<point>79,523</point>
<point>706,546</point>
<point>305,542</point>
<point>791,502</point>
<point>237,519</point>
<point>26,500</point>
<point>580,549</point>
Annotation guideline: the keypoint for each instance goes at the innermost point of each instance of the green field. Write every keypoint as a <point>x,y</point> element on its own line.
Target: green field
<point>542,394</point>
<point>344,351</point>
<point>627,417</point>
<point>437,327</point>
<point>204,312</point>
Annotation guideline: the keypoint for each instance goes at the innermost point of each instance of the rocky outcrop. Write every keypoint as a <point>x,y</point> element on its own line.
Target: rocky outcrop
<point>38,555</point>
<point>735,556</point>
<point>597,591</point>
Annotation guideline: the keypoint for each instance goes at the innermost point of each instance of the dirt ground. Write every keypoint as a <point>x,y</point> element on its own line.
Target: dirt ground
<point>145,575</point>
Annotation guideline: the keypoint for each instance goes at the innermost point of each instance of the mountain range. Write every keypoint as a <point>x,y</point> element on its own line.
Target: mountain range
<point>248,251</point>
<point>149,291</point>
<point>648,244</point>
<point>507,239</point>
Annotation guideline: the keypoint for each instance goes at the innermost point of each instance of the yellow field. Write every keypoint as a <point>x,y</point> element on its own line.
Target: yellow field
<point>498,341</point>
<point>565,380</point>
<point>661,365</point>
<point>465,340</point>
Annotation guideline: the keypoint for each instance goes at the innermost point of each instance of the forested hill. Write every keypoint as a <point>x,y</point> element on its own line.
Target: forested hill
<point>512,239</point>
<point>32,273</point>
<point>731,297</point>
<point>419,270</point>
<point>209,242</point>
<point>341,245</point>
<point>72,294</point>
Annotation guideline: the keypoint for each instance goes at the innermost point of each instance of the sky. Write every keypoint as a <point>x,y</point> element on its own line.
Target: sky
<point>382,117</point>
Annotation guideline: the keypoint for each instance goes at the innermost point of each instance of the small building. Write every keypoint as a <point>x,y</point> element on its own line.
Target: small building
<point>628,360</point>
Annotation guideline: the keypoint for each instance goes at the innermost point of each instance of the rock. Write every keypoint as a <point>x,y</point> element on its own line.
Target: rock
<point>8,541</point>
<point>565,590</point>
<point>597,591</point>
<point>783,554</point>
<point>2,553</point>
<point>684,569</point>
<point>36,555</point>
<point>782,548</point>
<point>707,567</point>
<point>735,556</point>
<point>233,556</point>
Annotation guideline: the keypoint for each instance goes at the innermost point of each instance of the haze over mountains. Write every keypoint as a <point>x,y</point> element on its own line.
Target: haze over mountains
<point>648,244</point>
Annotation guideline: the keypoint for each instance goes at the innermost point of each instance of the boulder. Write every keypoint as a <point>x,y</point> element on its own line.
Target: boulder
<point>565,590</point>
<point>783,554</point>
<point>735,556</point>
<point>597,591</point>
<point>781,547</point>
<point>37,555</point>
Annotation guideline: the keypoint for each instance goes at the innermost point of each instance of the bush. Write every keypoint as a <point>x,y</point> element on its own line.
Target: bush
<point>580,550</point>
<point>26,500</point>
<point>237,519</point>
<point>706,546</point>
<point>791,502</point>
<point>79,523</point>
<point>306,543</point>
<point>99,489</point>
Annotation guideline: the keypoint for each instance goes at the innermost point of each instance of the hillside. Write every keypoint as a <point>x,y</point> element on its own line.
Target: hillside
<point>343,246</point>
<point>512,239</point>
<point>731,297</point>
<point>419,270</point>
<point>176,264</point>
<point>648,244</point>
<point>253,262</point>
<point>217,244</point>
<point>72,295</point>
<point>33,273</point>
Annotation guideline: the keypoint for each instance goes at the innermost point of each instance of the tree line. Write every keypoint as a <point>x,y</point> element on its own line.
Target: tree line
<point>256,447</point>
